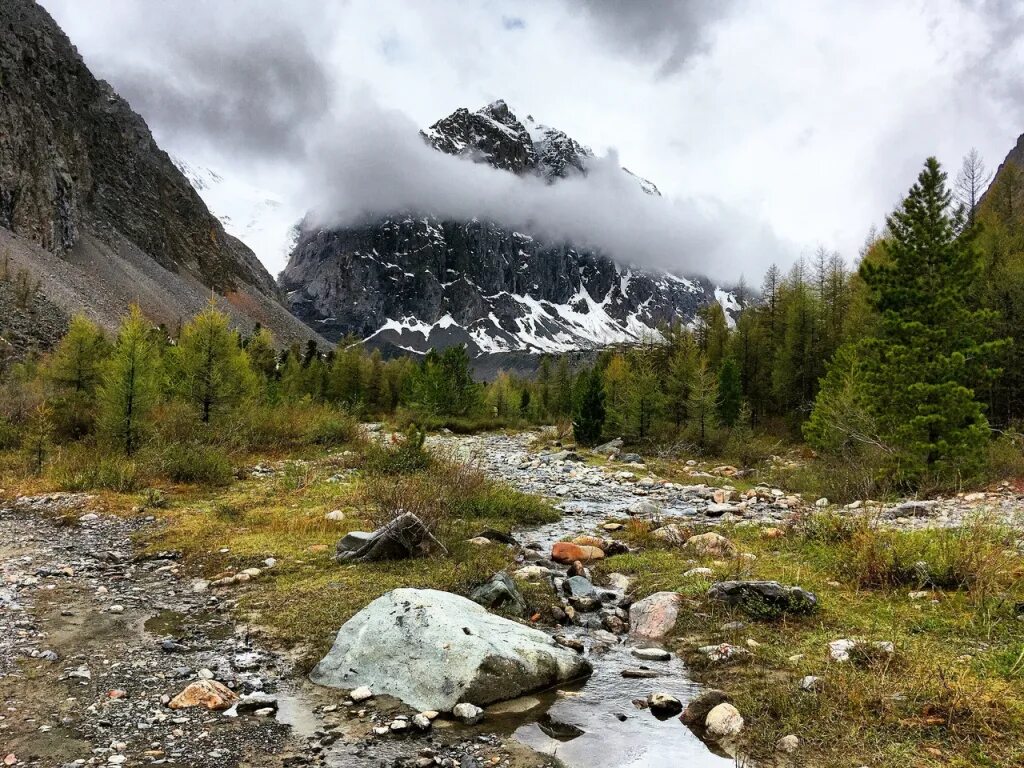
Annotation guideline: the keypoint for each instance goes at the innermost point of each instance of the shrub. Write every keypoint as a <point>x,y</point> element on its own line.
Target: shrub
<point>331,427</point>
<point>449,491</point>
<point>83,468</point>
<point>177,422</point>
<point>194,463</point>
<point>10,435</point>
<point>977,557</point>
<point>403,455</point>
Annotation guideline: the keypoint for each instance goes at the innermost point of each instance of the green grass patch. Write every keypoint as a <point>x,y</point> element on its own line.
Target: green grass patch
<point>950,695</point>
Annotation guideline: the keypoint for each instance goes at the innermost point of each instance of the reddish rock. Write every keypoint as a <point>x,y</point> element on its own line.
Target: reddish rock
<point>654,616</point>
<point>590,541</point>
<point>566,552</point>
<point>205,693</point>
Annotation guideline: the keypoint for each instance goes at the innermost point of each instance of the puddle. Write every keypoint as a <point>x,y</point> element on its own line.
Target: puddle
<point>188,625</point>
<point>294,710</point>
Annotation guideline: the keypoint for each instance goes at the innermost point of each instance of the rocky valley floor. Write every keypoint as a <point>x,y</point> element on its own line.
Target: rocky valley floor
<point>101,629</point>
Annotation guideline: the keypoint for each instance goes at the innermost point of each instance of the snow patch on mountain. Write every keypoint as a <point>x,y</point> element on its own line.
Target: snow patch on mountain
<point>258,218</point>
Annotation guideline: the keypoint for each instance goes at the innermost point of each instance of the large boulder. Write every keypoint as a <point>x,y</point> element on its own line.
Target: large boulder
<point>655,615</point>
<point>763,599</point>
<point>434,650</point>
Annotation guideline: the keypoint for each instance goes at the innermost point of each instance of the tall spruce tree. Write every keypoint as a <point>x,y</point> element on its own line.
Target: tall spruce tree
<point>589,421</point>
<point>931,345</point>
<point>730,394</point>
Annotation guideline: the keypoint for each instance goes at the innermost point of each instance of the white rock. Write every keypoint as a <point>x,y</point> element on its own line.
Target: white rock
<point>470,714</point>
<point>788,744</point>
<point>360,694</point>
<point>723,722</point>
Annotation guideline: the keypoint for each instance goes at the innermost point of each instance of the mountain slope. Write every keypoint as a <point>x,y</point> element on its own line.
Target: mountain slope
<point>94,209</point>
<point>415,282</point>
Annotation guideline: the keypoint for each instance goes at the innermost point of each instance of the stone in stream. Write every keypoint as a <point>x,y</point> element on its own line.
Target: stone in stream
<point>500,592</point>
<point>566,552</point>
<point>581,593</point>
<point>652,654</point>
<point>722,722</point>
<point>697,710</point>
<point>717,510</point>
<point>654,616</point>
<point>664,705</point>
<point>534,573</point>
<point>253,702</point>
<point>644,509</point>
<point>639,674</point>
<point>763,599</point>
<point>404,537</point>
<point>434,650</point>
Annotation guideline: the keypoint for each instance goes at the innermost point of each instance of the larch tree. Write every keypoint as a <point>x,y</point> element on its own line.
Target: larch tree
<point>212,370</point>
<point>129,386</point>
<point>73,372</point>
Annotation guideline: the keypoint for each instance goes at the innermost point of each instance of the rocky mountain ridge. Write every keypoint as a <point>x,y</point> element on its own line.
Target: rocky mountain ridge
<point>94,210</point>
<point>414,282</point>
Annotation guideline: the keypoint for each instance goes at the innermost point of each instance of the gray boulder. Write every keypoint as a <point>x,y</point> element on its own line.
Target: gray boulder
<point>611,447</point>
<point>434,650</point>
<point>500,592</point>
<point>763,599</point>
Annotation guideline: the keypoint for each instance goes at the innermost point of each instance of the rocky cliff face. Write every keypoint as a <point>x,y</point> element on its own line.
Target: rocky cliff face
<point>415,282</point>
<point>82,181</point>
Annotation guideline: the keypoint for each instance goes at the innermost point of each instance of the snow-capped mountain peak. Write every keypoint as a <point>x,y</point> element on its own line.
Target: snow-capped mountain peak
<point>413,282</point>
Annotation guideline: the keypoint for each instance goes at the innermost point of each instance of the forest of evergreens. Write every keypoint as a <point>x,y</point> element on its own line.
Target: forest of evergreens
<point>903,371</point>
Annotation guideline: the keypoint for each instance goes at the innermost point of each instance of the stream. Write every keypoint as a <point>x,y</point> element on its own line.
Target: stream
<point>595,725</point>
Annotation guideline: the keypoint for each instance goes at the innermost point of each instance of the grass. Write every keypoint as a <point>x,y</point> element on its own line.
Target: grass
<point>306,596</point>
<point>950,695</point>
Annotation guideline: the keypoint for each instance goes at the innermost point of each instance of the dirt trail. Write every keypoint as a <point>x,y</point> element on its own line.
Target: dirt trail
<point>81,676</point>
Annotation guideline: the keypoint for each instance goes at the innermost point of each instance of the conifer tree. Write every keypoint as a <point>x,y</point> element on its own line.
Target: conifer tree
<point>212,369</point>
<point>931,342</point>
<point>128,389</point>
<point>74,371</point>
<point>730,394</point>
<point>589,417</point>
<point>701,409</point>
<point>262,356</point>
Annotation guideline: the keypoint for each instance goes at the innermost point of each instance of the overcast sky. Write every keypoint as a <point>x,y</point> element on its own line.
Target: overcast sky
<point>770,127</point>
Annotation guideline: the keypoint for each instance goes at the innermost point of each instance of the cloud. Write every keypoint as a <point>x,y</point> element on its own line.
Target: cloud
<point>812,117</point>
<point>670,30</point>
<point>373,161</point>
